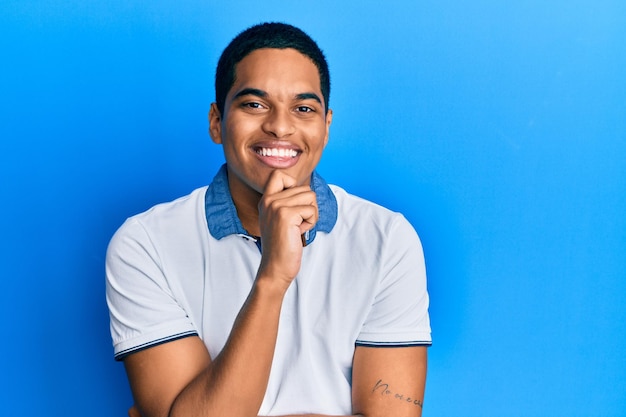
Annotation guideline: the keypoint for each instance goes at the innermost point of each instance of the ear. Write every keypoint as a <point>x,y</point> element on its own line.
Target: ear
<point>215,124</point>
<point>329,120</point>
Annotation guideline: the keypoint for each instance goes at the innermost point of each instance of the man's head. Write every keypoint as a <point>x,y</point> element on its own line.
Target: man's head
<point>267,35</point>
<point>274,113</point>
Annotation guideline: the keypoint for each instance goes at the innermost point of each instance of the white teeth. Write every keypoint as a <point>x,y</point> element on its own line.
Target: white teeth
<point>281,153</point>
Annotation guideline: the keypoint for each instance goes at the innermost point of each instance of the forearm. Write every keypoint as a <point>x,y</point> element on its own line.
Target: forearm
<point>235,382</point>
<point>321,415</point>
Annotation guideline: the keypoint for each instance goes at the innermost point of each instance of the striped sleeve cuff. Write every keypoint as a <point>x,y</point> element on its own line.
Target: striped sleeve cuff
<point>367,343</point>
<point>123,353</point>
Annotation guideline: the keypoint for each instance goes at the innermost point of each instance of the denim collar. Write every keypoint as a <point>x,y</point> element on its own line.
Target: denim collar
<point>221,214</point>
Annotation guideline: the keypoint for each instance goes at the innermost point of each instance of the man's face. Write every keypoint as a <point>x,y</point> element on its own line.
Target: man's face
<point>274,118</point>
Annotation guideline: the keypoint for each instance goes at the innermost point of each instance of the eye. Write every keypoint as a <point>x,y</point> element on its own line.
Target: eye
<point>252,105</point>
<point>304,109</point>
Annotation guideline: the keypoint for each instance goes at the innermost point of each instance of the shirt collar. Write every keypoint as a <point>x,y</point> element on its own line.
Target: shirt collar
<point>221,214</point>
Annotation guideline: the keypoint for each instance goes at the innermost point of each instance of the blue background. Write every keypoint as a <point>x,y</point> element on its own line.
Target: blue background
<point>498,128</point>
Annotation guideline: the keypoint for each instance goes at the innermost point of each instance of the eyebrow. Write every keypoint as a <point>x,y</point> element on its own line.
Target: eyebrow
<point>250,92</point>
<point>262,94</point>
<point>308,96</point>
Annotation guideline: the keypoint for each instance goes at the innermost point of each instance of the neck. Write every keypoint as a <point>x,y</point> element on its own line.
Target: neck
<point>246,202</point>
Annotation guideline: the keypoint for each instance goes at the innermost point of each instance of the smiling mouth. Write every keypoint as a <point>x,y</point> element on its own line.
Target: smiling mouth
<point>277,152</point>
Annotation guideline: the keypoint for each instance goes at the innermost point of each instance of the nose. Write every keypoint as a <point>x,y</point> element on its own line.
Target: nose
<point>279,123</point>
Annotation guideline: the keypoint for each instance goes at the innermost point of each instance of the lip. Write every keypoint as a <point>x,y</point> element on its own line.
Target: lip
<point>277,155</point>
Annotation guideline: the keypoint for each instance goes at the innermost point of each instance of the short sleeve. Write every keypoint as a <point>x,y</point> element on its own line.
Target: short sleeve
<point>399,313</point>
<point>143,311</point>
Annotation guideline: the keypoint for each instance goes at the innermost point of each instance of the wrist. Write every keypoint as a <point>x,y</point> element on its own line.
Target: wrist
<point>269,286</point>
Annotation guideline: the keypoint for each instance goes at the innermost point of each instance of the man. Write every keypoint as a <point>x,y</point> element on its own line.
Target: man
<point>270,292</point>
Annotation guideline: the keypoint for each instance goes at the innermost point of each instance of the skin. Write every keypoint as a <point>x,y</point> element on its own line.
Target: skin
<point>270,105</point>
<point>275,103</point>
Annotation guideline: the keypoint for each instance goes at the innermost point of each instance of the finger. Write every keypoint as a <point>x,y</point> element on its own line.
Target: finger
<point>304,217</point>
<point>309,216</point>
<point>300,216</point>
<point>278,181</point>
<point>292,197</point>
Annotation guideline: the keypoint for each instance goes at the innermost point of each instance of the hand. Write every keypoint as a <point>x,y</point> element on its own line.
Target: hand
<point>286,211</point>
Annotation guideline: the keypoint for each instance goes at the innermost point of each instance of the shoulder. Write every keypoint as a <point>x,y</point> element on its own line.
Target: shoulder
<point>356,211</point>
<point>346,200</point>
<point>164,219</point>
<point>179,208</point>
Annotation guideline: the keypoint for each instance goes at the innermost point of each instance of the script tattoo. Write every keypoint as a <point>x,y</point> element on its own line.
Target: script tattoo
<point>383,389</point>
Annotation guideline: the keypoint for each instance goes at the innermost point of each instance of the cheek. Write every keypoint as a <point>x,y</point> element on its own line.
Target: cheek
<point>321,134</point>
<point>235,132</point>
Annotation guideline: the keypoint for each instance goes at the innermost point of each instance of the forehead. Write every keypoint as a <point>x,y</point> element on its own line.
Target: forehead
<point>276,68</point>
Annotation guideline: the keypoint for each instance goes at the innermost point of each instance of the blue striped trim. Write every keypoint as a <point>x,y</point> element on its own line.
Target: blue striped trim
<point>392,344</point>
<point>121,355</point>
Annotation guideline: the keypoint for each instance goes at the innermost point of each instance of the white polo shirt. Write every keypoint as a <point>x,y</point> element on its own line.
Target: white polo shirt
<point>185,268</point>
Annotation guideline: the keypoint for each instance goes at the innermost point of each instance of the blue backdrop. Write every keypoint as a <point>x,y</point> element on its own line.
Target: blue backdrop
<point>498,128</point>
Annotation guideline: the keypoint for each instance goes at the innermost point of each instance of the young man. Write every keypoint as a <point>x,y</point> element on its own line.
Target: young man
<point>270,292</point>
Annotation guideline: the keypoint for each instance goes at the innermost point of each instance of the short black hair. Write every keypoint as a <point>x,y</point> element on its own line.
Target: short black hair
<point>267,35</point>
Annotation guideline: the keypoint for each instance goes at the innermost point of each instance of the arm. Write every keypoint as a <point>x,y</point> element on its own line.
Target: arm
<point>180,379</point>
<point>156,375</point>
<point>386,381</point>
<point>389,382</point>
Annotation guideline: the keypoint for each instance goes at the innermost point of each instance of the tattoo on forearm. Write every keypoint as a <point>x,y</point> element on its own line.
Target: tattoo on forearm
<point>383,388</point>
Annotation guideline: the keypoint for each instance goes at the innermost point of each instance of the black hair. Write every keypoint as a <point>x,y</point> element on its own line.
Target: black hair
<point>267,35</point>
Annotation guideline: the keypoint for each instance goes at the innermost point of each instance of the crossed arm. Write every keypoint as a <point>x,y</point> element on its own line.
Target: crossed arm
<point>179,378</point>
<point>175,379</point>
